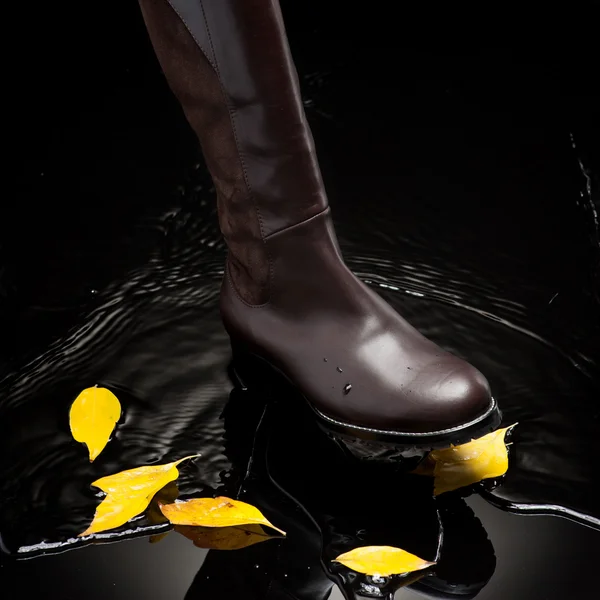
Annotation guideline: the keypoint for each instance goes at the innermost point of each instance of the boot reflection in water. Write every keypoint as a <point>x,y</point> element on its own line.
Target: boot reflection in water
<point>295,569</point>
<point>292,569</point>
<point>329,505</point>
<point>287,298</point>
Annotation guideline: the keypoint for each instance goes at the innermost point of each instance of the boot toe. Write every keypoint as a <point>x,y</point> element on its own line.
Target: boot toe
<point>441,397</point>
<point>457,397</point>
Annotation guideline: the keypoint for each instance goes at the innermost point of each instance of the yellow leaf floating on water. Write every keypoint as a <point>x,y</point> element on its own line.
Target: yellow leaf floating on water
<point>129,493</point>
<point>460,466</point>
<point>225,538</point>
<point>382,560</point>
<point>93,417</point>
<point>215,512</point>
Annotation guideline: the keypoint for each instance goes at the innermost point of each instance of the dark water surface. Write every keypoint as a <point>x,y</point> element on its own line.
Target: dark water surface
<point>464,186</point>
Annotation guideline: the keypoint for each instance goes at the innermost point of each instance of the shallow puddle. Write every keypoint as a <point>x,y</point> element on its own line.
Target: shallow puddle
<point>468,211</point>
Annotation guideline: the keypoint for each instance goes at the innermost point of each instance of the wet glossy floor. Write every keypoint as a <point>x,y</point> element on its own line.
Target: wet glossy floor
<point>464,189</point>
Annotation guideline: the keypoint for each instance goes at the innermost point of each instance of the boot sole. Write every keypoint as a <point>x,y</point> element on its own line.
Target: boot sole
<point>366,442</point>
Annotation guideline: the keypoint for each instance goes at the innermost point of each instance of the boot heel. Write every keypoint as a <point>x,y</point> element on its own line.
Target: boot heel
<point>237,370</point>
<point>249,370</point>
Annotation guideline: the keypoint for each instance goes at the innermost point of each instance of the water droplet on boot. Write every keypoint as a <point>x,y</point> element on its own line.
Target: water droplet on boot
<point>340,370</point>
<point>347,388</point>
<point>325,360</point>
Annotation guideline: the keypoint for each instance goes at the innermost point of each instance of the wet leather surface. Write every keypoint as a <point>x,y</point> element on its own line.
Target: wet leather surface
<point>352,356</point>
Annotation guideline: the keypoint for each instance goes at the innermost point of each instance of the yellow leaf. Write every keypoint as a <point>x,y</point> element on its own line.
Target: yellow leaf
<point>214,512</point>
<point>92,418</point>
<point>225,538</point>
<point>460,466</point>
<point>382,561</point>
<point>129,493</point>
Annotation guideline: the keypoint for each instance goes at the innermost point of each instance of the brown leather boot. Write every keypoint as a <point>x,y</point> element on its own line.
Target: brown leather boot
<point>287,295</point>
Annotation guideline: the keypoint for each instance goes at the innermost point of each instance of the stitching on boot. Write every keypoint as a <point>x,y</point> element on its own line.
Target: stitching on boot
<point>181,18</point>
<point>237,294</point>
<point>321,213</point>
<point>290,227</point>
<point>231,111</point>
<point>232,114</point>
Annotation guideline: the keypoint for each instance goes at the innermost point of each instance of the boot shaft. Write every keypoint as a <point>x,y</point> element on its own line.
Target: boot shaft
<point>229,64</point>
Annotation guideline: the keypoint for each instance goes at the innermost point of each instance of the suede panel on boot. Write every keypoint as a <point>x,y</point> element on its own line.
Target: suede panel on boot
<point>196,85</point>
<point>246,42</point>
